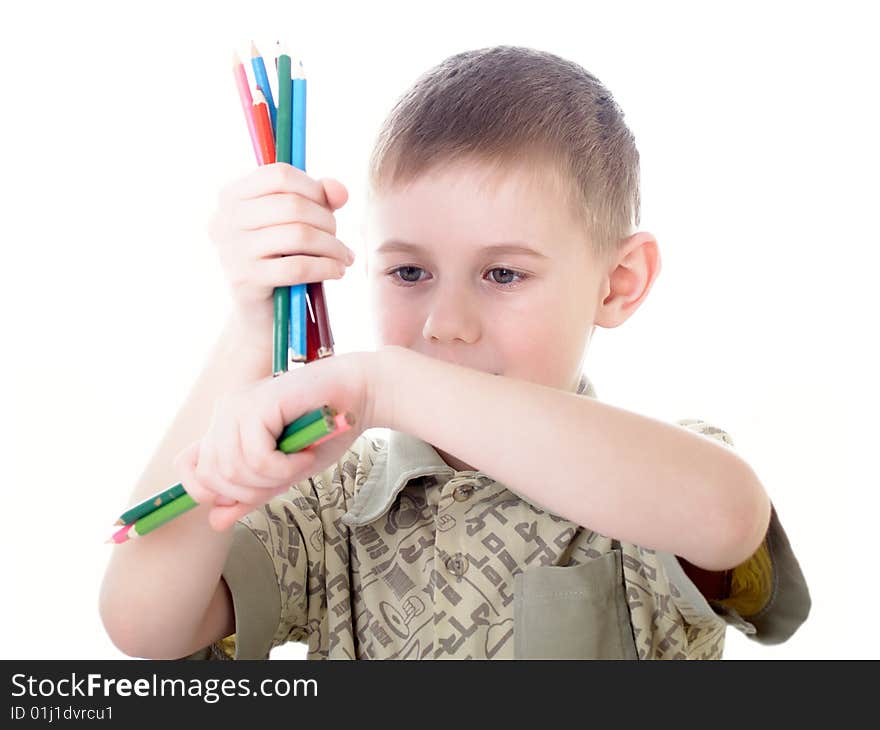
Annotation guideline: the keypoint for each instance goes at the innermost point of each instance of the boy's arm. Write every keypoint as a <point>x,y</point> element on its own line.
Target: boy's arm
<point>157,591</point>
<point>644,481</point>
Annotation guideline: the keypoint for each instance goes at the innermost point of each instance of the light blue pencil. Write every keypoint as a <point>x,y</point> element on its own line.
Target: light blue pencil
<point>297,323</point>
<point>298,121</point>
<point>263,82</point>
<point>298,159</point>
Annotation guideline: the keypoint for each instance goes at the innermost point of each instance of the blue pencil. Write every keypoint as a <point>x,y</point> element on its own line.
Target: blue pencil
<point>297,332</point>
<point>298,120</point>
<point>298,159</point>
<point>263,82</point>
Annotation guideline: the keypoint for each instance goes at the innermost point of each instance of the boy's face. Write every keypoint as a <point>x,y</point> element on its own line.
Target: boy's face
<point>439,289</point>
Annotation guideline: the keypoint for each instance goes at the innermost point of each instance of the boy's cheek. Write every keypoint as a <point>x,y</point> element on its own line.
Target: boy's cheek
<point>396,323</point>
<point>391,333</point>
<point>525,355</point>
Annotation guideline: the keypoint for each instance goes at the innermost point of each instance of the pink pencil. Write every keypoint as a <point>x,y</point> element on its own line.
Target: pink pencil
<point>343,422</point>
<point>121,535</point>
<point>247,102</point>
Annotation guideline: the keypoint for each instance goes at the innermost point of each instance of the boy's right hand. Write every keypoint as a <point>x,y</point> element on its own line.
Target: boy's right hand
<point>275,227</point>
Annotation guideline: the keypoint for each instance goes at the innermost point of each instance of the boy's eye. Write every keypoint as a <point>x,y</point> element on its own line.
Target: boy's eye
<point>406,272</point>
<point>410,275</point>
<point>505,278</point>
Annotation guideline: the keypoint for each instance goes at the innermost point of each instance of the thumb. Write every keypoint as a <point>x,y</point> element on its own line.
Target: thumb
<point>227,511</point>
<point>335,192</point>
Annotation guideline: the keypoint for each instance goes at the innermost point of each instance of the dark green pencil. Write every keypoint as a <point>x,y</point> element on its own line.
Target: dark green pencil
<point>281,295</point>
<point>150,504</point>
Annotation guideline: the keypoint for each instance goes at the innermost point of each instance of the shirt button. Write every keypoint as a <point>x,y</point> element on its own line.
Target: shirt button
<point>457,564</point>
<point>462,492</point>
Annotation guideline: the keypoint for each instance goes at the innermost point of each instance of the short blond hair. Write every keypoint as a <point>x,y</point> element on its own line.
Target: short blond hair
<point>512,105</point>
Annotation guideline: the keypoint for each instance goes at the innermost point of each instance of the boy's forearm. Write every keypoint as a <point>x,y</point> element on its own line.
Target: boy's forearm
<point>156,589</point>
<point>617,472</point>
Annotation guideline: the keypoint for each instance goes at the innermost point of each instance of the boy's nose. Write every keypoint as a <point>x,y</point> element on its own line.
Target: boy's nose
<point>452,317</point>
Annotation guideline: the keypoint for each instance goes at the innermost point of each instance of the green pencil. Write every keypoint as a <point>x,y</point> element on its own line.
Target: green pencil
<point>309,433</point>
<point>299,423</point>
<point>281,295</point>
<point>155,519</point>
<point>150,504</point>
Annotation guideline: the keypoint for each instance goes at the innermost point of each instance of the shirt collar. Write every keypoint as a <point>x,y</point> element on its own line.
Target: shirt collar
<point>405,458</point>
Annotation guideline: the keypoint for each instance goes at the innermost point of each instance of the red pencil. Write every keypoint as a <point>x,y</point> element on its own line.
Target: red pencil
<point>322,320</point>
<point>263,125</point>
<point>311,326</point>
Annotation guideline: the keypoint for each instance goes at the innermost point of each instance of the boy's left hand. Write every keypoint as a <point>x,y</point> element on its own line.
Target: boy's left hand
<point>237,466</point>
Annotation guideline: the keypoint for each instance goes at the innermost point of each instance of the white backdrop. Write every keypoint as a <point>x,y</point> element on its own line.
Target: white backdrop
<point>757,127</point>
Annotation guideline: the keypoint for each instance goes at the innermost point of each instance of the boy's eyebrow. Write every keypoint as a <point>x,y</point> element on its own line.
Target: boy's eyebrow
<point>495,248</point>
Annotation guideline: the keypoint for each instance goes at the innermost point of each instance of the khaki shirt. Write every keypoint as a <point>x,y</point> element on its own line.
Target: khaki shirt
<point>391,553</point>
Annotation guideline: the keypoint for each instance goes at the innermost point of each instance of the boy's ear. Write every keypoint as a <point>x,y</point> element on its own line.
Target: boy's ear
<point>631,274</point>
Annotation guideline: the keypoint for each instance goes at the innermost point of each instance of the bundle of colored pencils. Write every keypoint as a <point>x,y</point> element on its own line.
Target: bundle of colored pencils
<point>301,325</point>
<point>308,430</point>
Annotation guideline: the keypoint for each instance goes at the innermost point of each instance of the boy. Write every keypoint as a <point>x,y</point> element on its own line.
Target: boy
<point>510,514</point>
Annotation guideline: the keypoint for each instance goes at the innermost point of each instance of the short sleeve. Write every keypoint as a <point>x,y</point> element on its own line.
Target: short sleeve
<point>275,551</point>
<point>766,597</point>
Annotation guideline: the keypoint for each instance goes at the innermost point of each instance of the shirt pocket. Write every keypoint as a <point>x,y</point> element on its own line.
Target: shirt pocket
<point>573,612</point>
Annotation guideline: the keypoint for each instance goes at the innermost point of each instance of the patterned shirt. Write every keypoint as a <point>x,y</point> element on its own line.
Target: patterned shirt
<point>393,554</point>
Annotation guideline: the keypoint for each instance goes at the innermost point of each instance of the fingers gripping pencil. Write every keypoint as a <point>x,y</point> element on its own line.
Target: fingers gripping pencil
<point>308,430</point>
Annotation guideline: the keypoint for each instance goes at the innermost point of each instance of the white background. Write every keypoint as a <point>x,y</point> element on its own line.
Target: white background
<point>757,127</point>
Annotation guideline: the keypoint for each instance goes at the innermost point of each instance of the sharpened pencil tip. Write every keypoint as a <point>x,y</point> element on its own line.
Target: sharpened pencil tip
<point>119,522</point>
<point>236,61</point>
<point>254,52</point>
<point>110,539</point>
